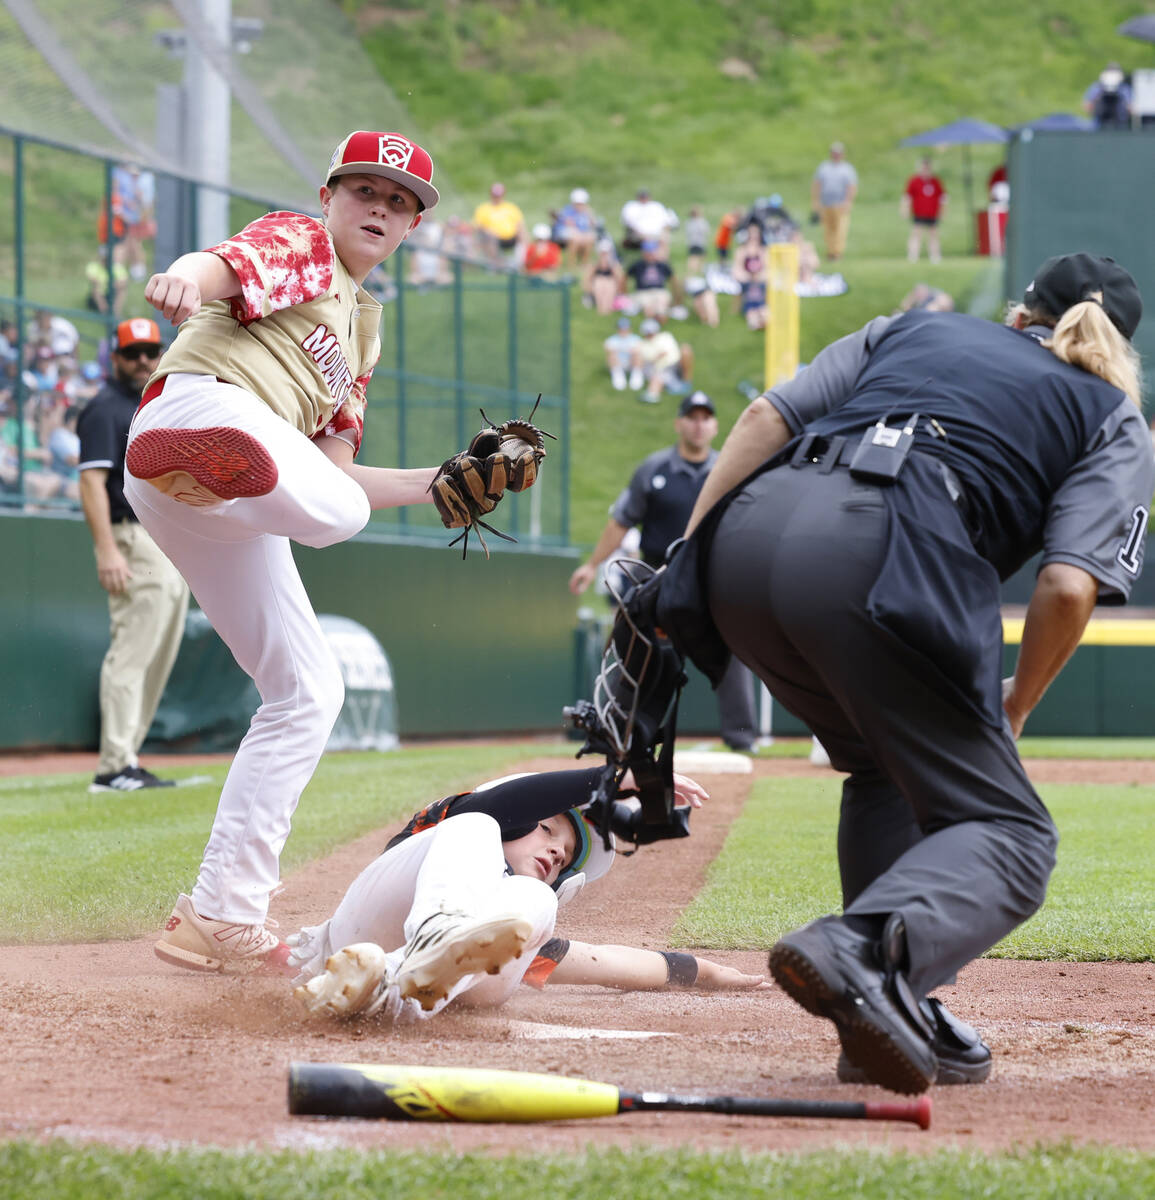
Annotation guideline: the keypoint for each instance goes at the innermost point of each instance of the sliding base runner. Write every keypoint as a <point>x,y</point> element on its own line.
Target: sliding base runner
<point>414,1093</point>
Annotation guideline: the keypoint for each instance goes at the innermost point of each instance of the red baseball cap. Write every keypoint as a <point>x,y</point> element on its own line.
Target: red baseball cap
<point>391,155</point>
<point>137,331</point>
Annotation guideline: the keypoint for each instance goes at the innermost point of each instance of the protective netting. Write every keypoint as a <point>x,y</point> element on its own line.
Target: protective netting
<point>87,74</point>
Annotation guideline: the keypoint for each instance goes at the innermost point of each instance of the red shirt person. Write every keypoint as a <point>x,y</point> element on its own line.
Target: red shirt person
<point>923,202</point>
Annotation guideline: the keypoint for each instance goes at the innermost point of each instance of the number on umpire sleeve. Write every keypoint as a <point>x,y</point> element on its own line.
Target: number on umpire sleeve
<point>1130,556</point>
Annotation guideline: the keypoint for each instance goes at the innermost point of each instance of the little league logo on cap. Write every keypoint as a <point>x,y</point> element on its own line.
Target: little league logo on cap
<point>390,155</point>
<point>136,331</point>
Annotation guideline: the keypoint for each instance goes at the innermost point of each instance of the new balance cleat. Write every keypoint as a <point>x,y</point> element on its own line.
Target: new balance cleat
<point>201,944</point>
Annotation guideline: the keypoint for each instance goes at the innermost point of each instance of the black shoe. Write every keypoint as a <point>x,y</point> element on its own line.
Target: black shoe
<point>854,981</point>
<point>127,779</point>
<point>963,1057</point>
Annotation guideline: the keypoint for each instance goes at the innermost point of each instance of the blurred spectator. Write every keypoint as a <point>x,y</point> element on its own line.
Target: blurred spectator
<point>702,299</point>
<point>64,450</point>
<point>500,227</point>
<point>604,280</point>
<point>542,255</point>
<point>96,272</point>
<point>666,364</point>
<point>622,349</point>
<point>929,299</point>
<point>428,266</point>
<point>770,215</point>
<point>832,194</point>
<point>458,237</point>
<point>697,235</point>
<point>922,204</point>
<point>1108,99</point>
<point>9,340</point>
<point>54,332</point>
<point>724,237</point>
<point>998,186</point>
<point>645,219</point>
<point>133,203</point>
<point>651,276</point>
<point>577,228</point>
<point>40,482</point>
<point>751,270</point>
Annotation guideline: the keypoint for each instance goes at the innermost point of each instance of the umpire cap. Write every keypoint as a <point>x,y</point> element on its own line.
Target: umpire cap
<point>1068,279</point>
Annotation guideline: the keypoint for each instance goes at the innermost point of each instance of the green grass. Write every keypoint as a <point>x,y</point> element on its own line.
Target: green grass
<point>65,1172</point>
<point>778,870</point>
<point>124,857</point>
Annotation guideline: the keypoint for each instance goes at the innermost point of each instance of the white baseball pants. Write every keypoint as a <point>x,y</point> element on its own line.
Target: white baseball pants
<point>456,866</point>
<point>238,563</point>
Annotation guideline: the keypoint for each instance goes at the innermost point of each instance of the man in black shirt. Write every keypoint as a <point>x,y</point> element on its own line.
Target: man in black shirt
<point>659,499</point>
<point>147,598</point>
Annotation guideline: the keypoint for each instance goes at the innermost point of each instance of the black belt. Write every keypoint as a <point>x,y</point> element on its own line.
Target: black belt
<point>126,520</point>
<point>827,453</point>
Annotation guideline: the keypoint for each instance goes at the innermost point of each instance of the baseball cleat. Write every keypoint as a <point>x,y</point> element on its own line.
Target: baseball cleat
<point>201,944</point>
<point>849,979</point>
<point>202,466</point>
<point>352,981</point>
<point>450,945</point>
<point>963,1057</point>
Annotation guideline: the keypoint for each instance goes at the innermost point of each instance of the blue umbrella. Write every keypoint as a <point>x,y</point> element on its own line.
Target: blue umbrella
<point>1058,122</point>
<point>1142,28</point>
<point>963,132</point>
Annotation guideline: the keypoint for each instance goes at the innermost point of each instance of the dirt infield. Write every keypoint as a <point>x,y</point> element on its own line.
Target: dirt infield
<point>104,1042</point>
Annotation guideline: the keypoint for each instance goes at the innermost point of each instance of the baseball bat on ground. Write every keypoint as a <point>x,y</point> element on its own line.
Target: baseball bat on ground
<point>414,1093</point>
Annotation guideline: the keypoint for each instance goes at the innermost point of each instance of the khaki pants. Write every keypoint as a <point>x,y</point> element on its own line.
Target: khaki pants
<point>147,624</point>
<point>835,227</point>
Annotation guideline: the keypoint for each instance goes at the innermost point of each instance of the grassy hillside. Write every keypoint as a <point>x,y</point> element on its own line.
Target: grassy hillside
<point>715,104</point>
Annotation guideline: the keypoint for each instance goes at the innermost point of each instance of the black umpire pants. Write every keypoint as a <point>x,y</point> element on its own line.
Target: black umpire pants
<point>938,819</point>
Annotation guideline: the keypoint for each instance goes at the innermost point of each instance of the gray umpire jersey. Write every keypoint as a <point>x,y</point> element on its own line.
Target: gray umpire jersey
<point>1049,457</point>
<point>660,497</point>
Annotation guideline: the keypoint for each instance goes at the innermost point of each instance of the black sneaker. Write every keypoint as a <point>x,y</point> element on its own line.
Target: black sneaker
<point>127,779</point>
<point>855,981</point>
<point>963,1056</point>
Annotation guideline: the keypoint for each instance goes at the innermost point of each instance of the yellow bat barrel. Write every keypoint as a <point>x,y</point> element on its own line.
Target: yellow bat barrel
<point>414,1093</point>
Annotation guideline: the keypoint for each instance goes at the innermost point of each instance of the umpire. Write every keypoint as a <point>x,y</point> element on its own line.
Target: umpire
<point>660,498</point>
<point>912,466</point>
<point>147,598</point>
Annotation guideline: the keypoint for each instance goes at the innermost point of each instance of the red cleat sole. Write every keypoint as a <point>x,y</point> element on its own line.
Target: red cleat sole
<point>226,462</point>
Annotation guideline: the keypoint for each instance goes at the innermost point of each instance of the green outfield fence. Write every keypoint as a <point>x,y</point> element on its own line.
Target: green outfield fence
<point>457,336</point>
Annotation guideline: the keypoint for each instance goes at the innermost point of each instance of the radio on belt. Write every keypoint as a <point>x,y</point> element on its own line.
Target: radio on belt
<point>882,451</point>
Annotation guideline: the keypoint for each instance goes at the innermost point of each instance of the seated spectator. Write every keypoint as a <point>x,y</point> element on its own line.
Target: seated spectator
<point>40,483</point>
<point>651,276</point>
<point>645,219</point>
<point>751,270</point>
<point>577,228</point>
<point>96,272</point>
<point>622,349</point>
<point>929,299</point>
<point>777,224</point>
<point>56,332</point>
<point>702,299</point>
<point>458,238</point>
<point>428,267</point>
<point>500,228</point>
<point>542,255</point>
<point>697,235</point>
<point>1108,99</point>
<point>604,281</point>
<point>666,365</point>
<point>64,451</point>
<point>9,340</point>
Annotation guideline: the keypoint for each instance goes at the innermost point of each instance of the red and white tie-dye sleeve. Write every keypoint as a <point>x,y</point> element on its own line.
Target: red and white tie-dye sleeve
<point>348,419</point>
<point>281,259</point>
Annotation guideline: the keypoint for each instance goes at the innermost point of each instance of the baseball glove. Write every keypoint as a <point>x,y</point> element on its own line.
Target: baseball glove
<point>469,485</point>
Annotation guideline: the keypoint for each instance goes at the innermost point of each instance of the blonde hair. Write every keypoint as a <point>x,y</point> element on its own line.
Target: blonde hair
<point>1085,337</point>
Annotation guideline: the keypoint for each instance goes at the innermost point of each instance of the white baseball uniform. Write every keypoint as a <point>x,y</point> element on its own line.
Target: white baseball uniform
<point>287,361</point>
